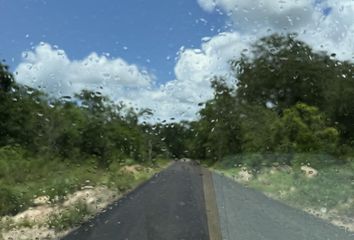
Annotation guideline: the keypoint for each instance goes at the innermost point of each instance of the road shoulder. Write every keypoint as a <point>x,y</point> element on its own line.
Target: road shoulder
<point>211,206</point>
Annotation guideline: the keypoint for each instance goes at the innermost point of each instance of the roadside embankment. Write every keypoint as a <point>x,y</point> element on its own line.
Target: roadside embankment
<point>326,193</point>
<point>51,217</point>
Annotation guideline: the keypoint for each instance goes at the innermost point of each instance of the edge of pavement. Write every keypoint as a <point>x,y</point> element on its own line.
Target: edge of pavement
<point>211,205</point>
<point>120,198</point>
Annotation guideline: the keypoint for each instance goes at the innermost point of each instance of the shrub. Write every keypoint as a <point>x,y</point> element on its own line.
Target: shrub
<point>69,218</point>
<point>11,201</point>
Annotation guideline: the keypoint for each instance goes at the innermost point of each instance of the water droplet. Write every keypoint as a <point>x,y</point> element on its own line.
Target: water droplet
<point>60,53</point>
<point>106,75</point>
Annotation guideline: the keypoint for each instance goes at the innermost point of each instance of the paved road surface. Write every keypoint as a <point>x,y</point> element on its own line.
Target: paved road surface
<point>172,206</point>
<point>169,207</point>
<point>246,214</point>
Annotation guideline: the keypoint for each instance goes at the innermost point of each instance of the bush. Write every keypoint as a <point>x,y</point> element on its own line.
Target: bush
<point>69,218</point>
<point>121,181</point>
<point>11,201</point>
<point>10,160</point>
<point>59,188</point>
<point>303,128</point>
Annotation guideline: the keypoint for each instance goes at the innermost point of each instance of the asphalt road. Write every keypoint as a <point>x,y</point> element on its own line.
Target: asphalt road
<point>246,214</point>
<point>168,207</point>
<point>185,203</point>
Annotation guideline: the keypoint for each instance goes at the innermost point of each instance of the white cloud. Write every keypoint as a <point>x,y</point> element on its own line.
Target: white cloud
<point>52,70</point>
<point>250,16</point>
<point>326,25</point>
<point>196,67</point>
<point>333,32</point>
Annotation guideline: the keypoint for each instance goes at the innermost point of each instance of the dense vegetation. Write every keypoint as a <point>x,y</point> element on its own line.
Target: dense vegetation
<point>52,146</point>
<point>284,107</point>
<point>283,98</point>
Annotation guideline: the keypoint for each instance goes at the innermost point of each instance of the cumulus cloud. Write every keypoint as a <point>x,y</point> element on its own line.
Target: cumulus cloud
<point>334,30</point>
<point>196,67</point>
<point>326,25</point>
<point>321,23</point>
<point>50,69</point>
<point>252,15</point>
<point>179,98</point>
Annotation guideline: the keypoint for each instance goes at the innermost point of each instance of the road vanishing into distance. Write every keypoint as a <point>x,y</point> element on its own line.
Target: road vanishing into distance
<point>188,202</point>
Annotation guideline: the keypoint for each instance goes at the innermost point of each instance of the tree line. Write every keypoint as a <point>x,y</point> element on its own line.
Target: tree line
<point>76,128</point>
<point>283,98</point>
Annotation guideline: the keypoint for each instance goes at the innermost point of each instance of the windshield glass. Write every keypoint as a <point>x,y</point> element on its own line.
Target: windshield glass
<point>185,119</point>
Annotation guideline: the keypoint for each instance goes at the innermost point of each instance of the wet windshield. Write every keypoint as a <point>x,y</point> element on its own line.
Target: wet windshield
<point>185,119</point>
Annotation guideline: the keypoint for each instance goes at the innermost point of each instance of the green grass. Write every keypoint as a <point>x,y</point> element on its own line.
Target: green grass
<point>332,188</point>
<point>23,178</point>
<point>70,217</point>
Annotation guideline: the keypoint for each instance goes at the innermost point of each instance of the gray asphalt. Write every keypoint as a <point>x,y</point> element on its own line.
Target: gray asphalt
<point>172,206</point>
<point>168,207</point>
<point>246,214</point>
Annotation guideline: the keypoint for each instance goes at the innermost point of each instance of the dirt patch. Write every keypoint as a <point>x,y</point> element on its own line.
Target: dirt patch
<point>245,175</point>
<point>35,215</point>
<point>40,233</point>
<point>95,198</point>
<point>135,169</point>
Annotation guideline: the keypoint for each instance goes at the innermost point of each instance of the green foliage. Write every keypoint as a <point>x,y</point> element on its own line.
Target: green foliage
<point>257,128</point>
<point>71,128</point>
<point>10,201</point>
<point>27,177</point>
<point>70,217</point>
<point>217,133</point>
<point>285,99</point>
<point>319,192</point>
<point>283,71</point>
<point>52,146</point>
<point>172,139</point>
<point>303,128</point>
<point>6,79</point>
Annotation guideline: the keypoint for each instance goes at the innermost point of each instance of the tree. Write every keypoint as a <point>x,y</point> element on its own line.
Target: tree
<point>303,128</point>
<point>218,130</point>
<point>287,99</point>
<point>6,79</point>
<point>339,95</point>
<point>281,72</point>
<point>257,128</point>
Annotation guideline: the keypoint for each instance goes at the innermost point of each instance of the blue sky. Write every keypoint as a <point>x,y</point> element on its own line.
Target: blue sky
<point>146,66</point>
<point>146,33</point>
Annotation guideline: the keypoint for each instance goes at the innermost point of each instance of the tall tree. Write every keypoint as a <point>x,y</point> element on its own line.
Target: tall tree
<point>282,71</point>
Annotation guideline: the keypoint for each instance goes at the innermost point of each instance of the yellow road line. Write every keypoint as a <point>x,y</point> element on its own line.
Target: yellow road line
<point>211,206</point>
